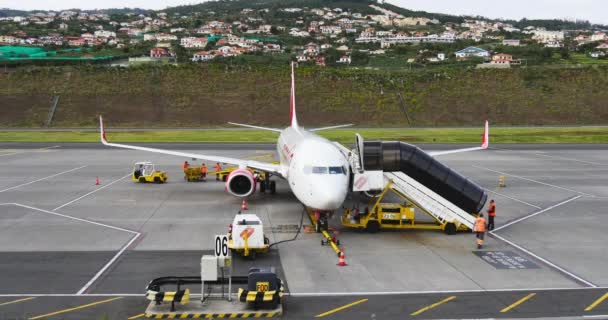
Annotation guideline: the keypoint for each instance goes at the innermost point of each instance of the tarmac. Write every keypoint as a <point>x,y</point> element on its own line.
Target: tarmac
<point>70,249</point>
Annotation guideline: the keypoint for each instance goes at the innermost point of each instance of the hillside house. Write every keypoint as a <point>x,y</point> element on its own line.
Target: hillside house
<point>192,42</point>
<point>344,59</point>
<point>603,46</point>
<point>302,58</point>
<point>511,42</point>
<point>502,58</point>
<point>599,36</point>
<point>320,61</point>
<point>202,56</point>
<point>472,52</point>
<point>311,49</point>
<point>76,41</point>
<point>159,53</point>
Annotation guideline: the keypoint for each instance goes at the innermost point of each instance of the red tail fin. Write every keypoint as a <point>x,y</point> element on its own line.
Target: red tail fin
<point>292,101</point>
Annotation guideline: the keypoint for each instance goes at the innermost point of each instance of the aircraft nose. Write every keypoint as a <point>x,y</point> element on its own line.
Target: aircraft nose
<point>329,197</point>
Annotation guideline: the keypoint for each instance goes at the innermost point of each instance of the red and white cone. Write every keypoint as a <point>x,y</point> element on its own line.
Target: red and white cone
<point>97,181</point>
<point>244,205</point>
<point>341,259</point>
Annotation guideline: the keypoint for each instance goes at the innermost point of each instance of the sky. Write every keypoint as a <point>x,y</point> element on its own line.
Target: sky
<point>592,10</point>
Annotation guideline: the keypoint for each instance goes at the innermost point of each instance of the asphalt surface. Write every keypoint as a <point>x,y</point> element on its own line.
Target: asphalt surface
<point>58,231</point>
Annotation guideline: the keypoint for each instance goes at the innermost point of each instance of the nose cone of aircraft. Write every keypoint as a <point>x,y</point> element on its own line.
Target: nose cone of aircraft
<point>328,197</point>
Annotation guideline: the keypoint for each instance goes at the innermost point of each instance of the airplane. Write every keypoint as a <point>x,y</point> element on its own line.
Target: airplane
<point>316,169</point>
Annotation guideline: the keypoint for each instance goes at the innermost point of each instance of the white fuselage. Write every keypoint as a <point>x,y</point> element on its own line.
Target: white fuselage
<point>317,172</point>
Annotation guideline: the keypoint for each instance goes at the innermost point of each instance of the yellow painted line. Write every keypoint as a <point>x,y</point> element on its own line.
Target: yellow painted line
<point>436,304</point>
<point>340,308</point>
<point>75,308</point>
<point>17,301</point>
<point>136,316</point>
<point>591,306</point>
<point>518,302</point>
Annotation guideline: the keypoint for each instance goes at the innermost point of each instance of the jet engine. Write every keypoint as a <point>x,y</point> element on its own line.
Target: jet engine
<point>241,183</point>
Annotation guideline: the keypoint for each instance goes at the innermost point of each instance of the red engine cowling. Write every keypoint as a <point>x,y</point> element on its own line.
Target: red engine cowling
<point>241,183</point>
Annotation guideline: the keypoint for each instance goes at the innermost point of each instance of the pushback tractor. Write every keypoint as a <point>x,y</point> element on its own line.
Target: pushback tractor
<point>146,172</point>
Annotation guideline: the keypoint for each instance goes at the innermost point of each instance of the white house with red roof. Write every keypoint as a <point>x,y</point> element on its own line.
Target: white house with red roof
<point>159,53</point>
<point>203,56</point>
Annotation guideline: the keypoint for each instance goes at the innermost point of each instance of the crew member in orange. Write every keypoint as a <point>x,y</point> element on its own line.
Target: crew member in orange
<point>204,171</point>
<point>491,215</point>
<point>218,168</point>
<point>480,230</point>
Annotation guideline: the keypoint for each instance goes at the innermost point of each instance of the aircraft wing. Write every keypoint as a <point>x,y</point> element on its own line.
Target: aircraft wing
<point>484,144</point>
<point>263,166</point>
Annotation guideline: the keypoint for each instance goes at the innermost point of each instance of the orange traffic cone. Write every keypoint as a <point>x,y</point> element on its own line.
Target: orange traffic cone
<point>341,259</point>
<point>244,205</point>
<point>97,181</point>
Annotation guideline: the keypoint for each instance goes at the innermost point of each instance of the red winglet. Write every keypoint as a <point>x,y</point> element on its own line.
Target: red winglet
<point>102,131</point>
<point>485,142</point>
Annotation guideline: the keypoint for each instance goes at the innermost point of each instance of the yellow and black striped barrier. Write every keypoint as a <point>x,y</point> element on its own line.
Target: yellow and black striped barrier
<point>258,296</point>
<point>213,315</point>
<point>181,296</point>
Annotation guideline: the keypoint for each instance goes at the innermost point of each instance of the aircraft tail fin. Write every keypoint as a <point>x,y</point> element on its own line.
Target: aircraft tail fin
<point>292,101</point>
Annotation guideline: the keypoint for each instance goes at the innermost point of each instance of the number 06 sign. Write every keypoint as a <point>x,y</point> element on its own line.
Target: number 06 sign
<point>221,245</point>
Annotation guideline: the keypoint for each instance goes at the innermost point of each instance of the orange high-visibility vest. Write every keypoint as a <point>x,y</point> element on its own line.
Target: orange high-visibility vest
<point>186,165</point>
<point>492,210</point>
<point>204,169</point>
<point>480,225</point>
<point>218,167</point>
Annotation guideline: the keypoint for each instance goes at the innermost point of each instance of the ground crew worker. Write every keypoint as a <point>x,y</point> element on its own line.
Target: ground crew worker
<point>204,171</point>
<point>491,215</point>
<point>480,230</point>
<point>218,168</point>
<point>186,165</point>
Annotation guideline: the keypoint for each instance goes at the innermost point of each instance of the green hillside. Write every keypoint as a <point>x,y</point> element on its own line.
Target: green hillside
<point>211,95</point>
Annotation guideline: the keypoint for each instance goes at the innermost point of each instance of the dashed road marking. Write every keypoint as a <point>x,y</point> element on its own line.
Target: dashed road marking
<point>434,305</point>
<point>16,301</point>
<point>340,308</point>
<point>74,308</point>
<point>597,302</point>
<point>517,303</point>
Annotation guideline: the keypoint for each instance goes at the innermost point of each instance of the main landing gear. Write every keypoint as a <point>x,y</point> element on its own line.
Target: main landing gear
<point>267,184</point>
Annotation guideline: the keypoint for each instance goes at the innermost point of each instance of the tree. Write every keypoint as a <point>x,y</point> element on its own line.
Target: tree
<point>359,58</point>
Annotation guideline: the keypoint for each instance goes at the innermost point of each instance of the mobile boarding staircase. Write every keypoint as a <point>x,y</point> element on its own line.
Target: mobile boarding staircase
<point>440,192</point>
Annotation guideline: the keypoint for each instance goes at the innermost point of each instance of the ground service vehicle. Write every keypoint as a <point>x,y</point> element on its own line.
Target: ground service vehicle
<point>146,172</point>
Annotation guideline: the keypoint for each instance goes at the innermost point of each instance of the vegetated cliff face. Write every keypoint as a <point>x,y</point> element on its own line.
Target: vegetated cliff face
<point>209,95</point>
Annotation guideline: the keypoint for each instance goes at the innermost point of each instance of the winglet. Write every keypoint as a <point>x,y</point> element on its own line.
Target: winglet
<point>292,101</point>
<point>486,136</point>
<point>102,131</point>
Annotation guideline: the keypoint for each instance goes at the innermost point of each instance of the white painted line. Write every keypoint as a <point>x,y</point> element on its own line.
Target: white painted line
<point>572,275</point>
<point>304,294</point>
<point>107,265</point>
<point>569,159</point>
<point>520,201</point>
<point>10,154</point>
<point>41,179</point>
<point>535,213</point>
<point>90,193</point>
<point>77,219</point>
<point>600,316</point>
<point>535,181</point>
<point>20,152</point>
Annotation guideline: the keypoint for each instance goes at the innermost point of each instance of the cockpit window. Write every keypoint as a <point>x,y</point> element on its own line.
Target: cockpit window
<point>324,170</point>
<point>336,170</point>
<point>319,170</point>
